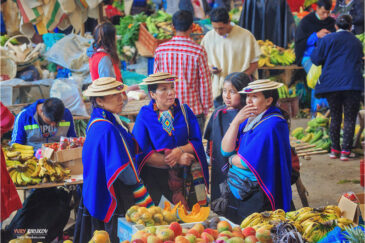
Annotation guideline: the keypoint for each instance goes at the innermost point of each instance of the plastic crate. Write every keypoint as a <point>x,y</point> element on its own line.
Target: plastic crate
<point>125,230</point>
<point>147,39</point>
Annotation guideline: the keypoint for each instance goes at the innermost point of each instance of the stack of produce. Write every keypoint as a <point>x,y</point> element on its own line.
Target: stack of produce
<point>272,55</point>
<point>21,164</point>
<point>285,92</point>
<point>314,224</point>
<point>265,219</point>
<point>151,216</point>
<point>159,25</point>
<point>157,216</point>
<point>128,30</point>
<point>316,133</point>
<point>223,233</point>
<point>50,172</point>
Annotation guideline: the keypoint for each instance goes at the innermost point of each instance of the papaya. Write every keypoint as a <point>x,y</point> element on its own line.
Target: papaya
<point>194,216</point>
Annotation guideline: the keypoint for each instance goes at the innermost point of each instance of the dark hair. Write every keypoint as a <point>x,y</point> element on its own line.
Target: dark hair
<point>53,109</point>
<point>239,80</point>
<point>274,94</point>
<point>327,4</point>
<point>219,15</point>
<point>182,20</point>
<point>104,36</point>
<point>152,88</point>
<point>344,22</point>
<point>93,101</point>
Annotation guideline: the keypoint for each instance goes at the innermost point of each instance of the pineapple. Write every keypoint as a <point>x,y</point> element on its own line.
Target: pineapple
<point>354,234</point>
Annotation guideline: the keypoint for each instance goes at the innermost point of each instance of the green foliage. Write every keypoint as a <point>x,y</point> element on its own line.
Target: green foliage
<point>128,29</point>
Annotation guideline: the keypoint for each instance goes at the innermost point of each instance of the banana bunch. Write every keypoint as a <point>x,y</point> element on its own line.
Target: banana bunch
<point>19,152</point>
<point>283,92</point>
<point>314,232</point>
<point>272,55</point>
<point>314,223</point>
<point>343,223</point>
<point>298,132</point>
<point>21,174</point>
<point>50,172</point>
<point>265,219</point>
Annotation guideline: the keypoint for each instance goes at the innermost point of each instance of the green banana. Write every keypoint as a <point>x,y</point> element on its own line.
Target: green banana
<point>318,135</point>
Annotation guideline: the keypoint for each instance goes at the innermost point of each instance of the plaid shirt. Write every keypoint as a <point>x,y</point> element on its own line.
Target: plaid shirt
<point>182,57</point>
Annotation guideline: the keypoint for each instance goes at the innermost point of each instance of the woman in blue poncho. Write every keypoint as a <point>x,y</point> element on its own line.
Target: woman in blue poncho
<point>111,182</point>
<point>260,172</point>
<point>172,163</point>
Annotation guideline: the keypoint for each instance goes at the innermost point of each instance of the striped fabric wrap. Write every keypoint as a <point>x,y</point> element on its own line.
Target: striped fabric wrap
<point>141,196</point>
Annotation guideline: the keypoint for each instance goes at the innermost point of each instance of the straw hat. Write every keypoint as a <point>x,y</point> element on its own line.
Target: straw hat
<point>105,86</point>
<point>159,78</point>
<point>260,85</point>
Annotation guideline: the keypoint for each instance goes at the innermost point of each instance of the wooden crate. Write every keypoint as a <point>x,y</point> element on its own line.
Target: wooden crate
<point>147,39</point>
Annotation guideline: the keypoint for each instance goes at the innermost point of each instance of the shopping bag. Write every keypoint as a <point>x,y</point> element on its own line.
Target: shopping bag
<point>313,75</point>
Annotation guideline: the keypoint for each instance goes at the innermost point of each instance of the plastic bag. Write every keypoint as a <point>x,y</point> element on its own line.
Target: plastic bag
<point>68,91</point>
<point>70,52</point>
<point>313,75</point>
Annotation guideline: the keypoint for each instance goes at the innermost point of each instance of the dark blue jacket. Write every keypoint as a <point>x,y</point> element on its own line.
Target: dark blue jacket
<point>27,131</point>
<point>340,55</point>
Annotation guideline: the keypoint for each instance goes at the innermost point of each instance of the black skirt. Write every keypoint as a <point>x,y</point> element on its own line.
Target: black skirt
<point>87,224</point>
<point>156,182</point>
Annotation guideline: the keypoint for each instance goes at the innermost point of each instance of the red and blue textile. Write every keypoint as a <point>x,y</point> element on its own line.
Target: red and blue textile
<point>108,151</point>
<point>152,137</point>
<point>266,151</point>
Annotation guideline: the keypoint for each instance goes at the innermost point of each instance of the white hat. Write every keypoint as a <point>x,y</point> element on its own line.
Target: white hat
<point>159,78</point>
<point>260,85</point>
<point>105,86</point>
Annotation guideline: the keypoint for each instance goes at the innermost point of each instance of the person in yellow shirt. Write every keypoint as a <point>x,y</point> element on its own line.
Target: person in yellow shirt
<point>230,48</point>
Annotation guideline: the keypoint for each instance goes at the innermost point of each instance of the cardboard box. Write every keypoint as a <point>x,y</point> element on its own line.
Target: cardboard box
<point>352,210</point>
<point>75,166</point>
<point>63,155</point>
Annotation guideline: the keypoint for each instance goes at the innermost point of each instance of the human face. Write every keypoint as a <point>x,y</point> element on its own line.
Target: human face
<point>259,101</point>
<point>112,103</point>
<point>222,28</point>
<point>47,120</point>
<point>164,96</point>
<point>322,13</point>
<point>231,97</point>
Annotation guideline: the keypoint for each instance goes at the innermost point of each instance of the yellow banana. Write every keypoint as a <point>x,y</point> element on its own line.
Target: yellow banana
<point>58,171</point>
<point>334,208</point>
<point>22,147</point>
<point>25,178</point>
<point>14,176</point>
<point>249,219</point>
<point>309,230</point>
<point>36,171</point>
<point>49,168</point>
<point>305,216</point>
<point>19,180</point>
<point>12,154</point>
<point>345,221</point>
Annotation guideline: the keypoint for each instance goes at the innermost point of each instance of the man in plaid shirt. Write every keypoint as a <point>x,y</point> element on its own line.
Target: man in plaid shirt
<point>188,61</point>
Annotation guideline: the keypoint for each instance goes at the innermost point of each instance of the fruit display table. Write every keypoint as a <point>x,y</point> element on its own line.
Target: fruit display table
<point>288,72</point>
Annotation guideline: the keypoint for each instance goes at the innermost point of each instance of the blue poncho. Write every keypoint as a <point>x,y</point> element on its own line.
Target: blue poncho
<point>265,149</point>
<point>108,152</point>
<point>151,136</point>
